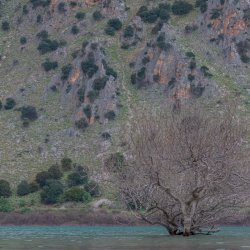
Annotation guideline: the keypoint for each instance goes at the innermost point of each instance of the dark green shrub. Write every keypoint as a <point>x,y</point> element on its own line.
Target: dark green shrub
<point>110,115</point>
<point>39,19</point>
<point>82,124</point>
<point>5,190</point>
<point>115,23</point>
<point>100,83</point>
<point>191,77</point>
<point>77,194</point>
<point>42,177</point>
<point>81,94</point>
<point>92,95</point>
<point>48,65</point>
<point>111,72</point>
<point>66,70</point>
<point>66,164</point>
<point>43,35</point>
<point>93,188</point>
<point>150,16</point>
<point>110,31</point>
<point>215,13</point>
<point>5,205</point>
<point>76,179</point>
<point>190,55</point>
<point>25,9</point>
<point>133,79</point>
<point>80,15</point>
<point>23,188</point>
<point>1,105</point>
<point>181,8</point>
<point>28,113</point>
<point>97,15</point>
<point>40,3</point>
<point>10,103</point>
<point>89,68</point>
<point>192,65</point>
<point>55,172</point>
<point>51,192</point>
<point>87,111</point>
<point>23,40</point>
<point>128,32</point>
<point>61,7</point>
<point>205,71</point>
<point>47,45</point>
<point>106,136</point>
<point>243,47</point>
<point>202,4</point>
<point>197,91</point>
<point>75,30</point>
<point>141,74</point>
<point>164,15</point>
<point>5,26</point>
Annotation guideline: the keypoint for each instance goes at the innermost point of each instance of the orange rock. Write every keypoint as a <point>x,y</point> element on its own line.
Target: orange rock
<point>75,76</point>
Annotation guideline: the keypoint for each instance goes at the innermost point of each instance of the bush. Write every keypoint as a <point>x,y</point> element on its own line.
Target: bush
<point>1,105</point>
<point>77,194</point>
<point>92,95</point>
<point>48,65</point>
<point>106,136</point>
<point>66,164</point>
<point>100,83</point>
<point>5,190</point>
<point>128,32</point>
<point>5,206</point>
<point>89,68</point>
<point>75,30</point>
<point>243,47</point>
<point>202,4</point>
<point>55,172</point>
<point>51,192</point>
<point>42,177</point>
<point>78,177</point>
<point>82,124</point>
<point>42,3</point>
<point>110,31</point>
<point>61,7</point>
<point>28,113</point>
<point>87,111</point>
<point>93,188</point>
<point>66,70</point>
<point>115,23</point>
<point>181,8</point>
<point>23,188</point>
<point>47,45</point>
<point>110,115</point>
<point>81,94</point>
<point>80,15</point>
<point>23,40</point>
<point>25,10</point>
<point>43,35</point>
<point>10,103</point>
<point>5,26</point>
<point>215,13</point>
<point>141,74</point>
<point>97,16</point>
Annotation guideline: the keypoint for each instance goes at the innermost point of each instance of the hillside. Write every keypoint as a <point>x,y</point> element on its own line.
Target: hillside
<point>72,73</point>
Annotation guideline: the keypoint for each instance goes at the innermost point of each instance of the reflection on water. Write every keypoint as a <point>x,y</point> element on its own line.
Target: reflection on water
<point>118,238</point>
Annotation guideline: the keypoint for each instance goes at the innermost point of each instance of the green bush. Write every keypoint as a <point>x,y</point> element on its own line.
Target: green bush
<point>141,74</point>
<point>75,30</point>
<point>78,177</point>
<point>92,95</point>
<point>215,13</point>
<point>48,65</point>
<point>61,7</point>
<point>77,194</point>
<point>110,115</point>
<point>80,15</point>
<point>66,70</point>
<point>115,23</point>
<point>111,72</point>
<point>81,94</point>
<point>5,26</point>
<point>55,172</point>
<point>202,4</point>
<point>47,45</point>
<point>28,113</point>
<point>243,47</point>
<point>5,190</point>
<point>82,124</point>
<point>128,32</point>
<point>89,68</point>
<point>66,164</point>
<point>10,103</point>
<point>42,3</point>
<point>110,31</point>
<point>23,40</point>
<point>42,177</point>
<point>87,111</point>
<point>23,188</point>
<point>93,188</point>
<point>100,83</point>
<point>115,162</point>
<point>97,15</point>
<point>5,206</point>
<point>51,192</point>
<point>181,8</point>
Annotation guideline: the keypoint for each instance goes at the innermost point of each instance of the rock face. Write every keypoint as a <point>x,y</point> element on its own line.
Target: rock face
<point>89,89</point>
<point>161,63</point>
<point>226,24</point>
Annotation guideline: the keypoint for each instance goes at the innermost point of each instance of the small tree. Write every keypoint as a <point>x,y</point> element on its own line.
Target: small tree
<point>5,190</point>
<point>10,103</point>
<point>51,192</point>
<point>115,23</point>
<point>77,194</point>
<point>55,172</point>
<point>42,177</point>
<point>66,164</point>
<point>181,8</point>
<point>5,26</point>
<point>23,188</point>
<point>28,113</point>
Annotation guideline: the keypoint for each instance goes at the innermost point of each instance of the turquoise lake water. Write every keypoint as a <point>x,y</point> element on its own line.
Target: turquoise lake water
<point>118,238</point>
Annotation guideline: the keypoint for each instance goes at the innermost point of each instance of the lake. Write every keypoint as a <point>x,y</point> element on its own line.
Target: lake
<point>117,238</point>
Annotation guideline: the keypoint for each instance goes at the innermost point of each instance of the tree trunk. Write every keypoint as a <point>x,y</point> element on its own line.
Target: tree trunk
<point>187,226</point>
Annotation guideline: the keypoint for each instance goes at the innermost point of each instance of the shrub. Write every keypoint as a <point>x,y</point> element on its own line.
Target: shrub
<point>42,177</point>
<point>191,77</point>
<point>1,105</point>
<point>243,47</point>
<point>110,115</point>
<point>77,194</point>
<point>51,192</point>
<point>141,74</point>
<point>111,72</point>
<point>47,45</point>
<point>115,23</point>
<point>150,16</point>
<point>5,26</point>
<point>128,32</point>
<point>164,15</point>
<point>66,164</point>
<point>25,10</point>
<point>181,8</point>
<point>66,70</point>
<point>5,206</point>
<point>82,124</point>
<point>215,13</point>
<point>81,94</point>
<point>23,40</point>
<point>89,68</point>
<point>78,177</point>
<point>61,7</point>
<point>39,19</point>
<point>106,136</point>
<point>197,91</point>
<point>48,65</point>
<point>190,55</point>
<point>97,15</point>
<point>92,95</point>
<point>87,111</point>
<point>100,83</point>
<point>42,3</point>
<point>110,31</point>
<point>43,35</point>
<point>192,65</point>
<point>202,4</point>
<point>80,15</point>
<point>75,30</point>
<point>10,103</point>
<point>34,187</point>
<point>55,172</point>
<point>93,188</point>
<point>23,188</point>
<point>28,113</point>
<point>5,190</point>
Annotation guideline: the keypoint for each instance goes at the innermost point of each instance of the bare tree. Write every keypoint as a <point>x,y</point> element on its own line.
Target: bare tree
<point>186,170</point>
